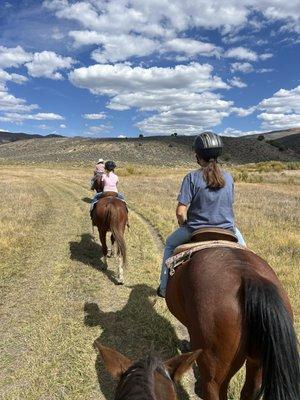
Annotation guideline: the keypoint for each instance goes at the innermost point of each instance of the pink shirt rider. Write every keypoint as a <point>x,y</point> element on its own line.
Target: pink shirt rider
<point>99,168</point>
<point>110,182</point>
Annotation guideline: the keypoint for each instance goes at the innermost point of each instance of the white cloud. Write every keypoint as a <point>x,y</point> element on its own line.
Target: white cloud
<point>114,79</point>
<point>63,126</point>
<point>18,117</point>
<point>190,47</point>
<point>243,112</point>
<point>241,53</point>
<point>47,63</point>
<point>16,78</point>
<point>265,56</point>
<point>282,110</point>
<point>236,132</point>
<point>13,57</point>
<point>135,28</point>
<point>9,102</point>
<point>241,67</point>
<point>237,82</point>
<point>101,115</point>
<point>100,128</point>
<point>264,70</point>
<point>180,97</point>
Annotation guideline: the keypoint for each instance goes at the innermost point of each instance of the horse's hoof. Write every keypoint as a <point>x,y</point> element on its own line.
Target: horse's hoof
<point>120,281</point>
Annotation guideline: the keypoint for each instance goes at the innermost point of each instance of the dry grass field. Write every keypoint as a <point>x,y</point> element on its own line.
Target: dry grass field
<point>55,301</point>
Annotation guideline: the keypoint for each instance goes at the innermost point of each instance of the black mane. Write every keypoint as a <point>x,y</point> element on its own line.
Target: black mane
<point>138,381</point>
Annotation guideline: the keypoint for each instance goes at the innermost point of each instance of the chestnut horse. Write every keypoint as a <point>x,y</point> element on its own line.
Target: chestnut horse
<point>98,183</point>
<point>236,310</point>
<point>110,215</point>
<point>147,379</point>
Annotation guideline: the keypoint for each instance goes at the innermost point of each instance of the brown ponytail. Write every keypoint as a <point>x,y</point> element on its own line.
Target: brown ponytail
<point>212,175</point>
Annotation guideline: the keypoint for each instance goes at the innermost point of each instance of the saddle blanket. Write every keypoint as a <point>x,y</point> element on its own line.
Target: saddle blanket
<point>189,249</point>
<point>99,196</point>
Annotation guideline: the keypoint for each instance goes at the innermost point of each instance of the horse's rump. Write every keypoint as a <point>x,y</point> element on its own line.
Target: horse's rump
<point>234,307</point>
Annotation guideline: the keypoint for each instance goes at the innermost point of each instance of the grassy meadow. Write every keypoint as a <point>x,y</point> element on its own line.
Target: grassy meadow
<point>55,300</point>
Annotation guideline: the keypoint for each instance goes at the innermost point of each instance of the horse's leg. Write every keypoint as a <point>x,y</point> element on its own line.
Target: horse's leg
<point>210,391</point>
<point>120,278</point>
<point>224,390</point>
<point>113,246</point>
<point>252,384</point>
<point>102,235</point>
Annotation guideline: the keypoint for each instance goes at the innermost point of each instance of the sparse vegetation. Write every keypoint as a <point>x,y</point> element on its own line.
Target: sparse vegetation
<point>56,301</point>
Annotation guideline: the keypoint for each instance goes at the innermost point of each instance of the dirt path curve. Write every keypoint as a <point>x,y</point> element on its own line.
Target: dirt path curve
<point>156,236</point>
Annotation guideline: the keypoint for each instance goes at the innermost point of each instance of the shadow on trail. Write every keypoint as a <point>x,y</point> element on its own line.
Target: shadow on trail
<point>89,252</point>
<point>135,330</point>
<point>86,199</point>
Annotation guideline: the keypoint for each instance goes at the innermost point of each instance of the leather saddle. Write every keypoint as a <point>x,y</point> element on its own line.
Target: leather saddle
<point>207,235</point>
<point>109,194</point>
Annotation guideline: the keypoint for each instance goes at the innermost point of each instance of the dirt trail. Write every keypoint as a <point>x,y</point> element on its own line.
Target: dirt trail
<point>61,302</point>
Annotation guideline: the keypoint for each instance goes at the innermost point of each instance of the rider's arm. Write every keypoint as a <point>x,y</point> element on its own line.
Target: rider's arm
<point>181,213</point>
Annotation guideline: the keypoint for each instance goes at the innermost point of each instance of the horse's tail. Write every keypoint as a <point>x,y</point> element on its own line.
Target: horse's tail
<point>113,215</point>
<point>270,330</point>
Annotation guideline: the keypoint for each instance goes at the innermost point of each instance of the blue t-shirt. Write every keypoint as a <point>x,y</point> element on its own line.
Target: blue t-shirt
<point>207,207</point>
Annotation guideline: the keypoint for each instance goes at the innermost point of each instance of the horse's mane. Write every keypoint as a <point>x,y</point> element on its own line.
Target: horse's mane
<point>138,381</point>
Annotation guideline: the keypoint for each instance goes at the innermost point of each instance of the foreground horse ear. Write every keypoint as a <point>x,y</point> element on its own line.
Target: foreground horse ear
<point>115,363</point>
<point>178,365</point>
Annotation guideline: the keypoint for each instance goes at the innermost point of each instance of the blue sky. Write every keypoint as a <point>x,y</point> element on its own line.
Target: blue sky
<point>99,68</point>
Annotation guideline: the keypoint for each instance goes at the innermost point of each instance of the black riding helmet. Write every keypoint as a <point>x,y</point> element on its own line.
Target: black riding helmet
<point>208,146</point>
<point>110,165</point>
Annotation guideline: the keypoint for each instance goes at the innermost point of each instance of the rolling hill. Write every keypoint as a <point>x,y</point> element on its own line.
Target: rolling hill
<point>156,150</point>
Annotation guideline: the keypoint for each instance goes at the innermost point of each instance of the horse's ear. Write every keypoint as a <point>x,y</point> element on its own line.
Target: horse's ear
<point>115,363</point>
<point>178,365</point>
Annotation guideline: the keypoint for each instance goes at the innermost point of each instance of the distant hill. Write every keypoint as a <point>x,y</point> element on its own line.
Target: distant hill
<point>6,137</point>
<point>156,150</point>
<point>285,139</point>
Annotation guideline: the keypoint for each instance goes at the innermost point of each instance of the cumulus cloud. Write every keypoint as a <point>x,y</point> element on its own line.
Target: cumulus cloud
<point>16,78</point>
<point>243,112</point>
<point>153,18</point>
<point>40,64</point>
<point>282,110</point>
<point>47,63</point>
<point>241,67</point>
<point>237,82</point>
<point>180,97</point>
<point>101,115</point>
<point>13,57</point>
<point>241,53</point>
<point>190,47</point>
<point>20,117</point>
<point>237,132</point>
<point>121,78</point>
<point>137,28</point>
<point>9,102</point>
<point>63,126</point>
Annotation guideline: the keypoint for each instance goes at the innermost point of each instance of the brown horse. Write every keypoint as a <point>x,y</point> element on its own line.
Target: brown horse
<point>110,215</point>
<point>147,379</point>
<point>235,309</point>
<point>98,183</point>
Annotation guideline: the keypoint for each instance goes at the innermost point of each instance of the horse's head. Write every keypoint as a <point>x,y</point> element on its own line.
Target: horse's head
<point>147,378</point>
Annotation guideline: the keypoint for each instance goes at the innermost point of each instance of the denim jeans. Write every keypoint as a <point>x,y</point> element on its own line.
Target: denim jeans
<point>98,196</point>
<point>180,236</point>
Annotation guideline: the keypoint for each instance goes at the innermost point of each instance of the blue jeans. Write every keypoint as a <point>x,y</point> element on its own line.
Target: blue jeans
<point>98,196</point>
<point>182,235</point>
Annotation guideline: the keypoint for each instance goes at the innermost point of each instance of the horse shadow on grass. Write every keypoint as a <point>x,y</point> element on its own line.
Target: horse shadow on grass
<point>136,330</point>
<point>87,200</point>
<point>89,252</point>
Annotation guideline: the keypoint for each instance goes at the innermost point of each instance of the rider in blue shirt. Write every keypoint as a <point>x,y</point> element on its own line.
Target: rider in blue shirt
<point>205,199</point>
